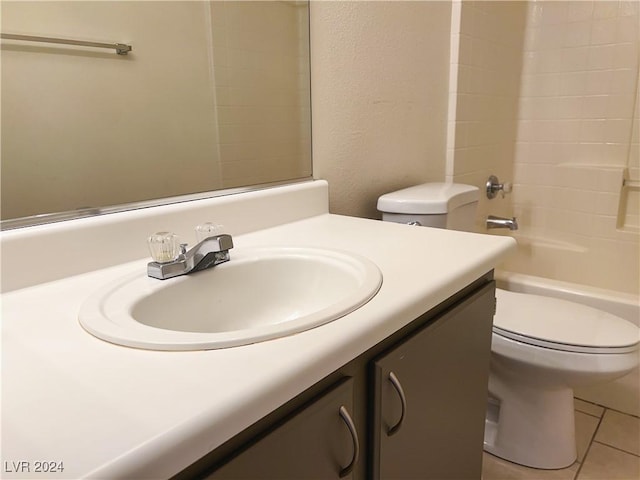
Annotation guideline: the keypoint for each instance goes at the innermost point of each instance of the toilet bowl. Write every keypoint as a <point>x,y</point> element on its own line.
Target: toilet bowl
<point>541,348</point>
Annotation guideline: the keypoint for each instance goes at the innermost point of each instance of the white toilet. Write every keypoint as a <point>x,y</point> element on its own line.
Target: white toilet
<point>541,348</point>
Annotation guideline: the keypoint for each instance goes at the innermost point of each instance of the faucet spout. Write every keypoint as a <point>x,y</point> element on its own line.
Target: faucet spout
<point>211,252</point>
<point>208,253</point>
<point>500,222</point>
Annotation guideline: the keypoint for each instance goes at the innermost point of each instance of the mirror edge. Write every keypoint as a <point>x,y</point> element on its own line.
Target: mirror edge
<point>48,218</point>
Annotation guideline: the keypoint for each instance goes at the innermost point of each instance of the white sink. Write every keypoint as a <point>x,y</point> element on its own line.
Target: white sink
<point>260,294</point>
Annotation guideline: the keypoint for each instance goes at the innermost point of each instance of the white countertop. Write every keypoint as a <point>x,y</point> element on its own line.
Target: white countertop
<point>108,411</point>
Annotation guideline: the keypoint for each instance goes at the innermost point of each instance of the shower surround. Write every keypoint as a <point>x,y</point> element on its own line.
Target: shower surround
<point>546,94</point>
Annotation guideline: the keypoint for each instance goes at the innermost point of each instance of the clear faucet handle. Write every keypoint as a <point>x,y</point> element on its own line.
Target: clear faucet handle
<point>208,229</point>
<point>164,247</point>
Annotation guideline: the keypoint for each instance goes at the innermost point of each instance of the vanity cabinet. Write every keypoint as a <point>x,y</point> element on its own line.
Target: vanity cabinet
<point>319,441</point>
<point>430,396</point>
<point>417,402</point>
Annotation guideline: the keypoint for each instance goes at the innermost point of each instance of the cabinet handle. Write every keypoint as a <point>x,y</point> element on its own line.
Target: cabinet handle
<point>403,401</point>
<point>344,414</point>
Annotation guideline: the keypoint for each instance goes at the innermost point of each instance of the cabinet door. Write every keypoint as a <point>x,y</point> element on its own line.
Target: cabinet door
<point>316,442</point>
<point>430,424</point>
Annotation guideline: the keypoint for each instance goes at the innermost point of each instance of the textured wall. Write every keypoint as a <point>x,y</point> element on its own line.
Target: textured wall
<point>541,94</point>
<point>379,94</point>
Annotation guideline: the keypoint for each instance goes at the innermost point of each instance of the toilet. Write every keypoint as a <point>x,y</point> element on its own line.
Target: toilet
<point>541,347</point>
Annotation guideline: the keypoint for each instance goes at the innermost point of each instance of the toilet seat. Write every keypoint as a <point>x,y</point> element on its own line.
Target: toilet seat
<point>562,325</point>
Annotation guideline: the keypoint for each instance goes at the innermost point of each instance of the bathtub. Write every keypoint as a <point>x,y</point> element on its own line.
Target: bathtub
<point>624,393</point>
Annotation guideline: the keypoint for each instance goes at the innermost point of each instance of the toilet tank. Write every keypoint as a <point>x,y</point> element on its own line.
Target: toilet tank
<point>441,205</point>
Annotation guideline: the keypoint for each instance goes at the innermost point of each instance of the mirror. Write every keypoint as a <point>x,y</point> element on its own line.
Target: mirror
<point>213,95</point>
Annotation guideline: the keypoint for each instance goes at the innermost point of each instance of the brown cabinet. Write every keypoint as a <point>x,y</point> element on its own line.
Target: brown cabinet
<point>417,401</point>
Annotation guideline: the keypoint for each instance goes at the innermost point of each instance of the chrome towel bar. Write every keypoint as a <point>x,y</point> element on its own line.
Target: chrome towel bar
<point>120,48</point>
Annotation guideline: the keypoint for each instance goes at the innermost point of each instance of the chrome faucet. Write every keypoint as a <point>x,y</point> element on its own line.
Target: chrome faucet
<point>210,252</point>
<point>499,222</point>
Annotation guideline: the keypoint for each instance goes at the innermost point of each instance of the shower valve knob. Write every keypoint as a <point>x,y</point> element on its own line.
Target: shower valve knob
<point>494,186</point>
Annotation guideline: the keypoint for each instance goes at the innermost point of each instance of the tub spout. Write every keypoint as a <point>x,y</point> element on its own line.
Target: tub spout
<point>499,222</point>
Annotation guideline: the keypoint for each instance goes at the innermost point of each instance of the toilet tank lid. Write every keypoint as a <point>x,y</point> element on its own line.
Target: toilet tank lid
<point>428,198</point>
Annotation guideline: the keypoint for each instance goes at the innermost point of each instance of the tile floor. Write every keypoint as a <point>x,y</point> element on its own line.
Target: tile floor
<point>608,449</point>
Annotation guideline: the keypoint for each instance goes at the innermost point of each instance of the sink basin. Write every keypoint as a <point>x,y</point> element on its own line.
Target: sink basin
<point>260,294</point>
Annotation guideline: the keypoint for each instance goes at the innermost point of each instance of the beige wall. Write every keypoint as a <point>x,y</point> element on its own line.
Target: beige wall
<point>540,93</point>
<point>544,98</point>
<point>486,62</point>
<point>379,94</point>
<point>575,144</point>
